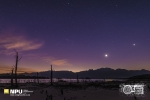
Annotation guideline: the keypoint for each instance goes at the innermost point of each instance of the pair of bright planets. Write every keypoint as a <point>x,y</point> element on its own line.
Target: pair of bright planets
<point>106,55</point>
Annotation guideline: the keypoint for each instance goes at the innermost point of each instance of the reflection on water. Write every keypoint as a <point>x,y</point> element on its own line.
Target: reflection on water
<point>56,80</point>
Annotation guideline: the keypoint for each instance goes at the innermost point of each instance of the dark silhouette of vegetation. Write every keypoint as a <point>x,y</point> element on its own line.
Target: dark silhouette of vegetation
<point>49,97</point>
<point>137,78</point>
<point>62,92</point>
<point>46,92</point>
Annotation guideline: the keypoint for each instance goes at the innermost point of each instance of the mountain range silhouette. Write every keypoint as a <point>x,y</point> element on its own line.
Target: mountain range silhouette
<point>102,73</point>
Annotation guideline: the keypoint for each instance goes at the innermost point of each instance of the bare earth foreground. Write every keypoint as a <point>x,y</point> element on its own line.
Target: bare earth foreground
<point>90,93</point>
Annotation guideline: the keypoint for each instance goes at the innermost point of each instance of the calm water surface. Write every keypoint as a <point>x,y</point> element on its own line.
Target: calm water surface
<point>56,80</point>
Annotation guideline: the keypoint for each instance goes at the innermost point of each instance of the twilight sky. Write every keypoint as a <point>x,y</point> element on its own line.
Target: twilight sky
<point>75,35</point>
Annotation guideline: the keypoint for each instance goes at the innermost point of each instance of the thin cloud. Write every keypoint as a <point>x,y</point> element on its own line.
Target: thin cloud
<point>60,62</point>
<point>9,42</point>
<point>57,62</point>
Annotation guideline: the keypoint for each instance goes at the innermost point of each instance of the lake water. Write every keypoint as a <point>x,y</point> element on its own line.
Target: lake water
<point>56,80</point>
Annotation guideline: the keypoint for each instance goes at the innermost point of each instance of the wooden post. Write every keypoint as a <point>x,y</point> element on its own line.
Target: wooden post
<point>51,75</point>
<point>38,77</point>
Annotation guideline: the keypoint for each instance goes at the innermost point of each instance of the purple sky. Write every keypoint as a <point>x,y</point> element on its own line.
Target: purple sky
<point>75,34</point>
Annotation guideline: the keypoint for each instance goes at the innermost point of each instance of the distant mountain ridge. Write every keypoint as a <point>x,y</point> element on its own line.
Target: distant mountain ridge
<point>102,73</point>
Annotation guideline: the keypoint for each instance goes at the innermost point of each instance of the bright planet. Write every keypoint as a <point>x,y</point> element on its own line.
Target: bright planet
<point>106,55</point>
